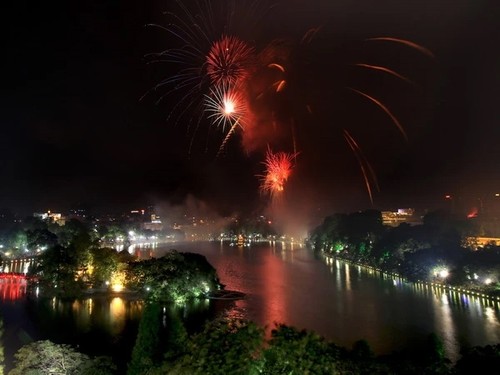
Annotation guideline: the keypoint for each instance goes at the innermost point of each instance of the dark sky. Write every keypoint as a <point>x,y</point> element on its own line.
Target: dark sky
<point>75,130</point>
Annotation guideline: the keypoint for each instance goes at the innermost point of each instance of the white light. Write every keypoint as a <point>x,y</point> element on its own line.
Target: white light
<point>443,273</point>
<point>228,107</point>
<point>117,287</point>
<point>488,281</point>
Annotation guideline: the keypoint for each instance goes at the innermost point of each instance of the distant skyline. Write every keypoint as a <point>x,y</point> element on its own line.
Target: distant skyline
<point>75,130</point>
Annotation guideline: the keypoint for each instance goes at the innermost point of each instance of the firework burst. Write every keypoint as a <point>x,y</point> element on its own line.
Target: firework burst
<point>271,94</point>
<point>279,166</point>
<point>227,109</point>
<point>225,106</point>
<point>229,61</point>
<point>210,61</point>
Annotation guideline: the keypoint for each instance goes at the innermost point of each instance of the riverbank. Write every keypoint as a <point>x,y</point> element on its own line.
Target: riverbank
<point>444,286</point>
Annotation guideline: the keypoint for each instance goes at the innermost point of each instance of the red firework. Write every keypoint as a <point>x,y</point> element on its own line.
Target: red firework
<point>229,61</point>
<point>278,168</point>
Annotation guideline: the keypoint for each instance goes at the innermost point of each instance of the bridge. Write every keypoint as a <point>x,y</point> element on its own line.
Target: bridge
<point>13,286</point>
<point>13,276</point>
<point>19,266</point>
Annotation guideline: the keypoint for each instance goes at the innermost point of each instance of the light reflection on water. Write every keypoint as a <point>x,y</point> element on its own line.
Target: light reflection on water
<point>12,288</point>
<point>288,285</point>
<point>458,318</point>
<point>346,302</point>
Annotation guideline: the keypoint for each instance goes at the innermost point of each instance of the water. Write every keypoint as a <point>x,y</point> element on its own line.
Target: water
<point>282,284</point>
<point>345,303</point>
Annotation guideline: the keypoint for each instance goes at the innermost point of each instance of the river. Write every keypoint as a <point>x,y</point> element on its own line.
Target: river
<point>345,303</point>
<point>283,283</point>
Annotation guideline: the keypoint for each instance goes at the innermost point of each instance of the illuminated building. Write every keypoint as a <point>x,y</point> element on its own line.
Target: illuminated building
<point>155,223</point>
<point>402,215</point>
<point>51,216</point>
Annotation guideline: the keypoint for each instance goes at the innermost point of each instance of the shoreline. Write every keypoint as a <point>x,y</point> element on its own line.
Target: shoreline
<point>448,287</point>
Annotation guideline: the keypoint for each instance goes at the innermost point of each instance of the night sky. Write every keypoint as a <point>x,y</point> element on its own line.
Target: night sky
<point>75,129</point>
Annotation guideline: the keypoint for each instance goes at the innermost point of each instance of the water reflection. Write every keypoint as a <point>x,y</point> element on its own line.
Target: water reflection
<point>12,288</point>
<point>274,295</point>
<point>347,278</point>
<point>444,325</point>
<point>289,285</point>
<point>116,315</point>
<point>459,319</point>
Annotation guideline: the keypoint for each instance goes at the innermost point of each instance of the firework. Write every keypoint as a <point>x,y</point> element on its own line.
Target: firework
<point>264,93</point>
<point>279,166</point>
<point>280,84</point>
<point>207,54</point>
<point>226,106</point>
<point>405,42</point>
<point>384,108</point>
<point>227,109</point>
<point>385,70</point>
<point>229,61</point>
<point>364,165</point>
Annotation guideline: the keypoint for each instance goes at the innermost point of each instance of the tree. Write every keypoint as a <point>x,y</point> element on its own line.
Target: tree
<point>57,268</point>
<point>45,357</point>
<point>226,346</point>
<point>145,354</point>
<point>2,355</point>
<point>39,239</point>
<point>109,233</point>
<point>98,366</point>
<point>395,244</point>
<point>478,360</point>
<point>105,262</point>
<point>17,241</point>
<point>74,232</point>
<point>427,357</point>
<point>176,337</point>
<point>174,277</point>
<point>294,352</point>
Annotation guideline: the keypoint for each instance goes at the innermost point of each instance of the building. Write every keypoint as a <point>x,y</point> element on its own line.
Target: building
<point>51,217</point>
<point>402,215</point>
<point>155,224</point>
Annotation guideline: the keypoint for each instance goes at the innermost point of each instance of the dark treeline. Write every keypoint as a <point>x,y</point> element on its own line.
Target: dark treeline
<point>233,346</point>
<point>442,249</point>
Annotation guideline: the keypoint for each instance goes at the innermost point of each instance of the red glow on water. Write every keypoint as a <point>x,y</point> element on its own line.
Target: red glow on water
<point>275,294</point>
<point>12,287</point>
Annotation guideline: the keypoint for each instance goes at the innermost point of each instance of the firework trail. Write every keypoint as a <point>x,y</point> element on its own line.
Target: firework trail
<point>226,139</point>
<point>364,165</point>
<point>386,70</point>
<point>406,42</point>
<point>384,108</point>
